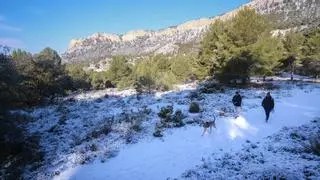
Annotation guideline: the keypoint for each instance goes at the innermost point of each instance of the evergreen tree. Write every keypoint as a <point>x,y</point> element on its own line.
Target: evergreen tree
<point>181,67</point>
<point>268,51</point>
<point>80,78</point>
<point>236,37</point>
<point>49,73</point>
<point>292,44</point>
<point>247,26</point>
<point>119,70</point>
<point>312,44</point>
<point>8,80</point>
<point>311,49</point>
<point>215,49</point>
<point>238,67</point>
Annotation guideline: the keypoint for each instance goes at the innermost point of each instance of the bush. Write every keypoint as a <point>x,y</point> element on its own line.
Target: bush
<point>165,113</point>
<point>158,132</point>
<point>129,137</point>
<point>144,84</point>
<point>170,119</point>
<point>193,95</point>
<point>310,67</point>
<point>146,110</point>
<point>177,119</point>
<point>194,107</point>
<point>210,87</point>
<point>79,77</point>
<point>314,145</point>
<point>93,147</point>
<point>105,128</point>
<point>17,149</point>
<point>99,80</point>
<point>136,125</point>
<point>120,72</point>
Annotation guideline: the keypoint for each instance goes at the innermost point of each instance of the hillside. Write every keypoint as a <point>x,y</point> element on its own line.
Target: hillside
<point>184,37</point>
<point>108,134</point>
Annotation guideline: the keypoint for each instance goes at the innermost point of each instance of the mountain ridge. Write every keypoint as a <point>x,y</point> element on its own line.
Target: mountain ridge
<point>100,46</point>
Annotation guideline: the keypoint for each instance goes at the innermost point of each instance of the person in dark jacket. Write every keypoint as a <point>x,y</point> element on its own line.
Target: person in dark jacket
<point>268,105</point>
<point>237,100</point>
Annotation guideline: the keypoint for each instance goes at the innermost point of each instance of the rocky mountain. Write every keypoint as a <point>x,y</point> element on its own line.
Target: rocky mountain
<point>185,37</point>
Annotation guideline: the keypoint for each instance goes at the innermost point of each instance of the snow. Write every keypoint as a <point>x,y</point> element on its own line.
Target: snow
<point>280,156</point>
<point>181,148</point>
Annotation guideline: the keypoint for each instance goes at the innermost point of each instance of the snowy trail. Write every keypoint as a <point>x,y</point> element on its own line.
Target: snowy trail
<point>183,148</point>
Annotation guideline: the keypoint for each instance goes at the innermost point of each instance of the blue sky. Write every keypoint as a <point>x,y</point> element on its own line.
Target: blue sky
<point>35,24</point>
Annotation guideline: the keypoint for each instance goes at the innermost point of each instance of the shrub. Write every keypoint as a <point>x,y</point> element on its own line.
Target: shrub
<point>210,86</point>
<point>144,83</point>
<point>314,145</point>
<point>193,95</point>
<point>146,110</point>
<point>105,128</point>
<point>79,77</point>
<point>129,137</point>
<point>93,147</point>
<point>170,119</point>
<point>157,132</point>
<point>18,150</point>
<point>166,112</point>
<point>136,125</point>
<point>194,107</point>
<point>177,119</point>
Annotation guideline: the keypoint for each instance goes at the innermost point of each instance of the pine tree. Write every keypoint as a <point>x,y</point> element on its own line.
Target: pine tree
<point>181,67</point>
<point>119,70</point>
<point>268,51</point>
<point>230,39</point>
<point>292,44</point>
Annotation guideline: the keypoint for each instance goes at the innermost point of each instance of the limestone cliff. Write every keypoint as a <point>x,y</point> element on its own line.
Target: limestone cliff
<point>291,13</point>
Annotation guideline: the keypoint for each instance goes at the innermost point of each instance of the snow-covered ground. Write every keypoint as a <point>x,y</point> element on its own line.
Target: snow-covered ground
<point>281,156</point>
<point>78,147</point>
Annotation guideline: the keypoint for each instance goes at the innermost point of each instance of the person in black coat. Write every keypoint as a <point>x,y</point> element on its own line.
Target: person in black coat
<point>268,105</point>
<point>237,100</point>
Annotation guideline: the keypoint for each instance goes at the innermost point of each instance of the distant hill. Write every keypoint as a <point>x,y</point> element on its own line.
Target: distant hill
<point>187,36</point>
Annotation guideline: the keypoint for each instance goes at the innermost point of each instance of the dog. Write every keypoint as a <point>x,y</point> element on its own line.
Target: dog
<point>207,124</point>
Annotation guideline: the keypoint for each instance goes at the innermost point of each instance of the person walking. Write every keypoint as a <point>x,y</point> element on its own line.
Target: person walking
<point>268,105</point>
<point>237,100</point>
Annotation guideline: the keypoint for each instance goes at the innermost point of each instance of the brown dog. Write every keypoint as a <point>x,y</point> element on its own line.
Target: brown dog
<point>208,125</point>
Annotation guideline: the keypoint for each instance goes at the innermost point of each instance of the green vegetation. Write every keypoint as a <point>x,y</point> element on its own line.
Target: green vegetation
<point>165,113</point>
<point>80,78</point>
<point>194,107</point>
<point>244,45</point>
<point>231,50</point>
<point>29,79</point>
<point>168,119</point>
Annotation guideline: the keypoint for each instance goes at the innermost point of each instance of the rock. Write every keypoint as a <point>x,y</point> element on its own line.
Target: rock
<point>185,37</point>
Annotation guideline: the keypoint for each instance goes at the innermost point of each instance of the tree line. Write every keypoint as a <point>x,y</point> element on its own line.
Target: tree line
<point>30,79</point>
<point>231,49</point>
<point>246,45</point>
<point>27,79</point>
<point>147,73</point>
